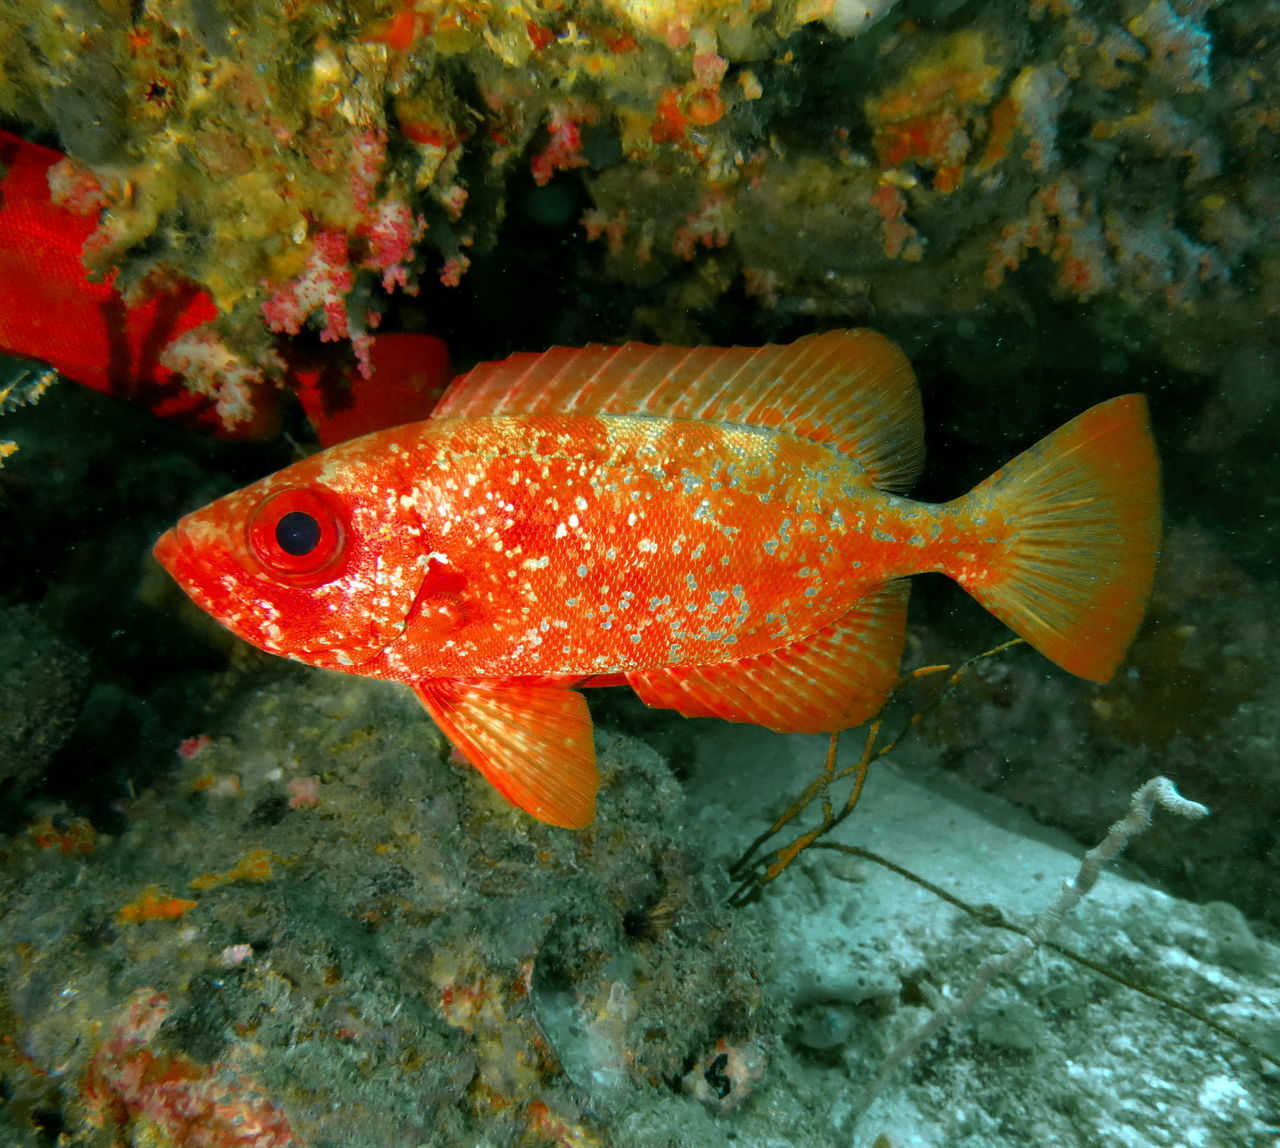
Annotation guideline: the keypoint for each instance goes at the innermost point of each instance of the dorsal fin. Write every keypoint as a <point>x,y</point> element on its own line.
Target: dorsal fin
<point>853,390</point>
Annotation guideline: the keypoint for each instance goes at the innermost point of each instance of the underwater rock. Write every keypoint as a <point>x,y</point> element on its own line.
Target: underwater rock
<point>389,955</point>
<point>1055,1052</point>
<point>43,683</point>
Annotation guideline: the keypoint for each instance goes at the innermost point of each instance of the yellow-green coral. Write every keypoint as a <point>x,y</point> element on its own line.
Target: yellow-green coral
<point>24,386</point>
<point>829,158</point>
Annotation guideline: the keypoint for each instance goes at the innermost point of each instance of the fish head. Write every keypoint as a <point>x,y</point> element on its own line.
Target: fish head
<point>319,562</point>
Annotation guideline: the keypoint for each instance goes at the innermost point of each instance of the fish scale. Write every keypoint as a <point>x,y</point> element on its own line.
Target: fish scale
<point>700,519</point>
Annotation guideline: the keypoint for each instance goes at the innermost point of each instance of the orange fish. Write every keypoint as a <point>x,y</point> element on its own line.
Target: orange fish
<point>721,529</point>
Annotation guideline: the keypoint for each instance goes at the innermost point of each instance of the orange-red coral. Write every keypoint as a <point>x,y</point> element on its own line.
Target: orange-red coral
<point>171,1100</point>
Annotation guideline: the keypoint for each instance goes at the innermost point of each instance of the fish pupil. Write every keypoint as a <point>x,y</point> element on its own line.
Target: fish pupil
<point>298,533</point>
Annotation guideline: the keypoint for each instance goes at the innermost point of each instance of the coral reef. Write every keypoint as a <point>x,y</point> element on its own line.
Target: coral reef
<point>299,163</point>
<point>273,156</point>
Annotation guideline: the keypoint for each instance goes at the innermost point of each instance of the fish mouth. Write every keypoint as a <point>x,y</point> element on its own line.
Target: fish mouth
<point>168,549</point>
<point>182,560</point>
<point>175,551</point>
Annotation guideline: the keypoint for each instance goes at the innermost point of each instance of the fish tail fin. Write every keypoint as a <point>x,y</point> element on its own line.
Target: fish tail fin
<point>1065,538</point>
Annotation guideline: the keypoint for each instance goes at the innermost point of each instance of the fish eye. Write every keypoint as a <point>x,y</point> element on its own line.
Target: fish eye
<point>300,534</point>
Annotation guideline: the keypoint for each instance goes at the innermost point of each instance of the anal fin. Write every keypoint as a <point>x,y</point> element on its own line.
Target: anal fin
<point>832,680</point>
<point>532,742</point>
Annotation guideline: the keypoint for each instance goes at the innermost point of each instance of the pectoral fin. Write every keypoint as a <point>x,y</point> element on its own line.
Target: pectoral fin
<point>532,743</point>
